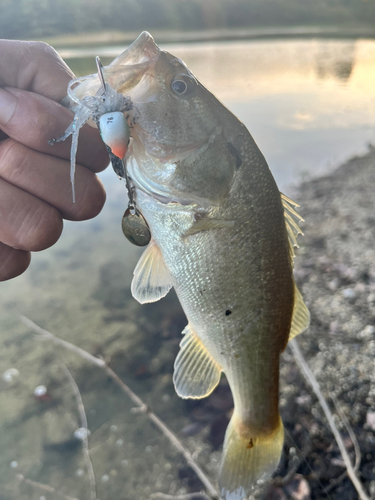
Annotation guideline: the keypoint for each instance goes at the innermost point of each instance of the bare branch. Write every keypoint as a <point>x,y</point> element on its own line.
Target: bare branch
<point>336,482</point>
<point>45,335</point>
<point>85,441</point>
<point>350,432</point>
<point>44,487</point>
<point>212,491</point>
<point>309,376</point>
<point>188,496</point>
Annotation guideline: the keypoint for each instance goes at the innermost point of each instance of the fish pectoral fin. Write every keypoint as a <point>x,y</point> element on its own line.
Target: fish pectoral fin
<point>196,373</point>
<point>291,225</point>
<point>301,315</point>
<point>208,223</point>
<point>152,279</point>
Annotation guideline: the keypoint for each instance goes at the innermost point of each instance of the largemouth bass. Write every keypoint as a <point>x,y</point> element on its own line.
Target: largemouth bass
<point>223,237</point>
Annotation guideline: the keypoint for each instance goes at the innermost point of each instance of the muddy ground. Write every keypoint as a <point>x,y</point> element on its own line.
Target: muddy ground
<point>79,290</point>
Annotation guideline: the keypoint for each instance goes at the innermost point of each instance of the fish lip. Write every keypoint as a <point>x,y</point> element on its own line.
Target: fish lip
<point>143,49</point>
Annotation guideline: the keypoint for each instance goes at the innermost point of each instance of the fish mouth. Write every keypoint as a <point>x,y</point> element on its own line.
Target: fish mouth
<point>143,49</point>
<point>125,72</point>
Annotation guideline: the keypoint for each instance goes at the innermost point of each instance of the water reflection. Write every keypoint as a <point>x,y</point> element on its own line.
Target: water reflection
<point>336,61</point>
<point>308,103</point>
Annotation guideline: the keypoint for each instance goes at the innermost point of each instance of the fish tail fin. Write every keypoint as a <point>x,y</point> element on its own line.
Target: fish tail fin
<point>246,458</point>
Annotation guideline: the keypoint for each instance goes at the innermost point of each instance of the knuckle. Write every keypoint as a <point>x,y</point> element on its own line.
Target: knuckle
<point>12,262</point>
<point>44,49</point>
<point>92,199</point>
<point>40,229</point>
<point>12,160</point>
<point>6,150</point>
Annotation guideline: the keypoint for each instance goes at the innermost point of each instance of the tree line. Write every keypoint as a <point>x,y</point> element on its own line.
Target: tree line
<point>41,18</point>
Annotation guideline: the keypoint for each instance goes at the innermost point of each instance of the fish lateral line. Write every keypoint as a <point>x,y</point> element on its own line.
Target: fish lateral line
<point>206,224</point>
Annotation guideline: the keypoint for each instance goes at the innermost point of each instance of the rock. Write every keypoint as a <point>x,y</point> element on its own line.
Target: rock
<point>348,293</point>
<point>367,332</point>
<point>298,488</point>
<point>370,419</point>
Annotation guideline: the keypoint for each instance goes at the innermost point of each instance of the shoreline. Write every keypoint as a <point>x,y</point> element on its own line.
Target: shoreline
<point>335,271</point>
<point>225,34</point>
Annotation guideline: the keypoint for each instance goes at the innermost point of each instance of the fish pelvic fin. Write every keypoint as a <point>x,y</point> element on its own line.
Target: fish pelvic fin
<point>152,279</point>
<point>292,227</point>
<point>196,373</point>
<point>248,458</point>
<point>301,315</point>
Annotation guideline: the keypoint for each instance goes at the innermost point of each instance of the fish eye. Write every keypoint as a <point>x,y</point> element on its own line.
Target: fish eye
<point>183,85</point>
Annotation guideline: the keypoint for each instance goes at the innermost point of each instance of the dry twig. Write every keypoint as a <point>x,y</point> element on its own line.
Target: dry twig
<point>85,441</point>
<point>188,496</point>
<point>212,491</point>
<point>44,487</point>
<point>309,376</point>
<point>353,438</point>
<point>349,428</point>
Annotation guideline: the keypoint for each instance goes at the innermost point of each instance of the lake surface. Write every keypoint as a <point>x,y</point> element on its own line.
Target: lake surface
<point>309,104</point>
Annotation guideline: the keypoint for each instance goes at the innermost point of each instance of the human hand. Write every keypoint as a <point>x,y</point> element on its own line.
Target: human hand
<point>35,189</point>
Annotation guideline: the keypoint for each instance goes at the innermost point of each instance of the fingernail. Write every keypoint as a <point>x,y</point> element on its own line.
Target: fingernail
<point>8,104</point>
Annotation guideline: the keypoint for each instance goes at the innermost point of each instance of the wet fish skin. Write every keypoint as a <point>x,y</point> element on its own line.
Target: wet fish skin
<point>220,271</point>
<point>219,237</point>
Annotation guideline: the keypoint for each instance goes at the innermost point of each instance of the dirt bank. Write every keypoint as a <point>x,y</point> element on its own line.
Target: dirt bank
<point>335,269</point>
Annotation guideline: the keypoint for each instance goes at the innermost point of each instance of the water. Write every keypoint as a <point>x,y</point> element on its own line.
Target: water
<point>309,105</point>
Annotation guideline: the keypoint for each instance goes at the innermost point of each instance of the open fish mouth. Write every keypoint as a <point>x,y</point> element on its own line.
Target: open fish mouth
<point>92,96</point>
<point>155,93</point>
<point>123,74</point>
<point>143,49</point>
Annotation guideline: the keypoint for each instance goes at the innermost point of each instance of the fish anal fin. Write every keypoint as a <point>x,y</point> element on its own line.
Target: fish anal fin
<point>196,373</point>
<point>301,315</point>
<point>206,224</point>
<point>152,279</point>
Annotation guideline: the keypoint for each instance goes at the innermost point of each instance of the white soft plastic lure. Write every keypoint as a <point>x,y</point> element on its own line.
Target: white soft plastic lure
<point>106,108</point>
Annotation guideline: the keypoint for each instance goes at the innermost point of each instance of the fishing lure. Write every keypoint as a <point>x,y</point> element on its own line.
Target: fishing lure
<point>106,109</point>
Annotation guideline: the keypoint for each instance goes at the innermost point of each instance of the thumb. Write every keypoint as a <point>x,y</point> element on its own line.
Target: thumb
<point>33,66</point>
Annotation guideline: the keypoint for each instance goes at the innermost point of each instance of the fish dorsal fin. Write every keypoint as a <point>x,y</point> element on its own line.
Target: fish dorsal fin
<point>301,315</point>
<point>291,225</point>
<point>196,373</point>
<point>152,279</point>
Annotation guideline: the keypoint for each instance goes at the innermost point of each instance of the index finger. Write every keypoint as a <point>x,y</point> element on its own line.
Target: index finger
<point>34,66</point>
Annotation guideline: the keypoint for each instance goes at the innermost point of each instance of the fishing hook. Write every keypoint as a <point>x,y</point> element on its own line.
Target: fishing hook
<point>134,225</point>
<point>99,67</point>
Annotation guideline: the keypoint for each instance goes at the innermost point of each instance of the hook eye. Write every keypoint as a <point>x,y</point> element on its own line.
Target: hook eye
<point>99,66</point>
